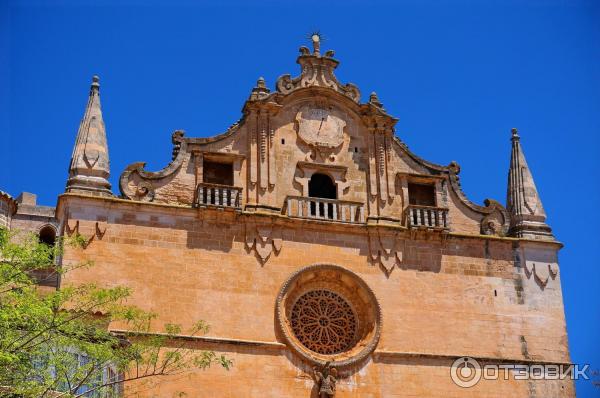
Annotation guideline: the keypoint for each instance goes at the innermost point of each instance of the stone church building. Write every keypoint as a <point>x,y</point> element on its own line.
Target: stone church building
<point>328,258</point>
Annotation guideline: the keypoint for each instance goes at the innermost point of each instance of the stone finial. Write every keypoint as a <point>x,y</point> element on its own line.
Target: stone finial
<point>316,71</point>
<point>316,42</point>
<point>528,218</point>
<point>374,100</point>
<point>90,169</point>
<point>260,90</point>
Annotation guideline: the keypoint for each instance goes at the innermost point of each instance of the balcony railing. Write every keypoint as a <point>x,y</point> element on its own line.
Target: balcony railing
<point>426,216</point>
<point>218,195</point>
<point>325,209</point>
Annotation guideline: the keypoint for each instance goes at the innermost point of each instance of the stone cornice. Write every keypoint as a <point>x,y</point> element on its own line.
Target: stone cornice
<point>281,219</point>
<point>377,354</point>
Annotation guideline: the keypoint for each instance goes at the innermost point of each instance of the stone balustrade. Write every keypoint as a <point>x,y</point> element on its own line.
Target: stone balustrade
<point>325,209</point>
<point>426,216</point>
<point>218,195</point>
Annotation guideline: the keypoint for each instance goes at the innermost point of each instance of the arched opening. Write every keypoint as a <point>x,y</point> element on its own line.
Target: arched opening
<point>321,186</point>
<point>47,276</point>
<point>47,235</point>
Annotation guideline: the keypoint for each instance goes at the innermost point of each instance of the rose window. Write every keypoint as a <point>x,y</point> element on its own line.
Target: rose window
<point>324,322</point>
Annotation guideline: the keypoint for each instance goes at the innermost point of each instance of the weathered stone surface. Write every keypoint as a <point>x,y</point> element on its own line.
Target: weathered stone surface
<point>414,281</point>
<point>8,207</point>
<point>89,169</point>
<point>528,218</point>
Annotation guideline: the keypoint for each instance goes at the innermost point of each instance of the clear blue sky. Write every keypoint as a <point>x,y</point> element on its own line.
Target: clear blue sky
<point>458,74</point>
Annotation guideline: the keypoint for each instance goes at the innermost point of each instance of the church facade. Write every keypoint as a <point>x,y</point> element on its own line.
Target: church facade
<point>328,258</point>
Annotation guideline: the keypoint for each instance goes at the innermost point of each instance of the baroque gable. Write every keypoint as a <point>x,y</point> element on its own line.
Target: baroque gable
<point>312,126</point>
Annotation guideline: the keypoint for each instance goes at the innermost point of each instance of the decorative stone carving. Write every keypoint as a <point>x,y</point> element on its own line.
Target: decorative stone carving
<point>496,221</point>
<point>326,379</point>
<point>324,322</point>
<point>137,184</point>
<point>319,126</point>
<point>385,249</point>
<point>260,91</point>
<point>99,232</point>
<point>542,272</point>
<point>374,100</point>
<point>337,173</point>
<point>381,133</point>
<point>263,239</point>
<point>317,71</point>
<point>318,298</point>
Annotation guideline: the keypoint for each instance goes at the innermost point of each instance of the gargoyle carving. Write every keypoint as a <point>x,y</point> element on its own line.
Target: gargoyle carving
<point>99,232</point>
<point>385,249</point>
<point>326,379</point>
<point>264,239</point>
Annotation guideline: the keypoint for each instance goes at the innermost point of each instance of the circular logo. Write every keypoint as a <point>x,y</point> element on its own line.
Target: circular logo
<point>465,372</point>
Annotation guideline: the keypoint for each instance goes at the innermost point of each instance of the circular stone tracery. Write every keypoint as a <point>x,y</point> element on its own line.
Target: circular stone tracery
<point>323,322</point>
<point>327,313</point>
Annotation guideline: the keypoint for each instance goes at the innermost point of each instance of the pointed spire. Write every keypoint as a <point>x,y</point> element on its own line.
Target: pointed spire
<point>528,218</point>
<point>89,169</point>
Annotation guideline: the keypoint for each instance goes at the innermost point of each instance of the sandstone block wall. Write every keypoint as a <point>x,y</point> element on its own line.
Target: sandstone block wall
<point>451,296</point>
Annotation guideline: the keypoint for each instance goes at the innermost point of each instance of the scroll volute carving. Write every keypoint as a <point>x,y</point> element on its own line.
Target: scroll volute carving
<point>496,221</point>
<point>138,184</point>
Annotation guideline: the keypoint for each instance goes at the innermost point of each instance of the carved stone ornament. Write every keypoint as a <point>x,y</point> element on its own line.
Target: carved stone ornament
<point>319,126</point>
<point>497,220</point>
<point>542,272</point>
<point>326,379</point>
<point>137,184</point>
<point>385,249</point>
<point>328,314</point>
<point>263,239</point>
<point>99,231</point>
<point>317,71</point>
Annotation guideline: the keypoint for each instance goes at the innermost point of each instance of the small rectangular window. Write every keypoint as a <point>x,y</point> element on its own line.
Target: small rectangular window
<point>218,173</point>
<point>421,194</point>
